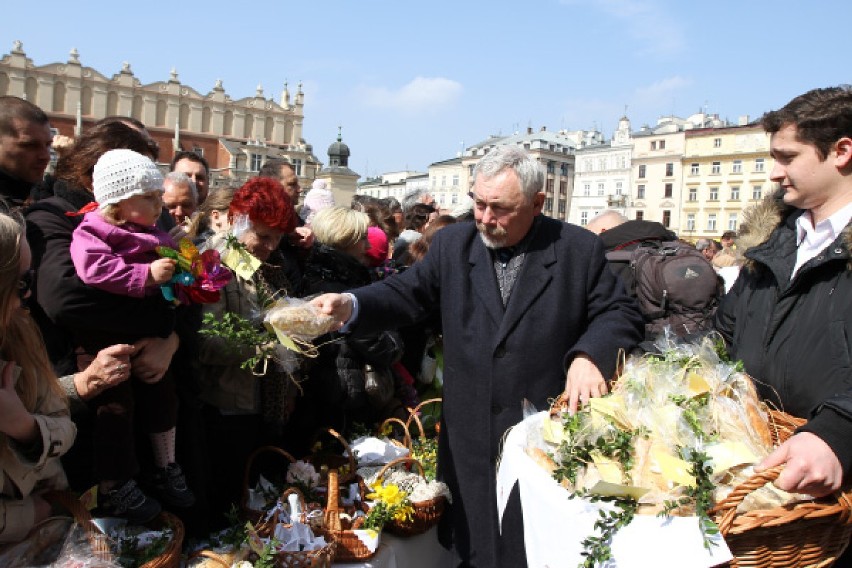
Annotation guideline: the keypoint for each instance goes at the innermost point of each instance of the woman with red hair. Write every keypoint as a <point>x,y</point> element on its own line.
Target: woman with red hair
<point>246,408</point>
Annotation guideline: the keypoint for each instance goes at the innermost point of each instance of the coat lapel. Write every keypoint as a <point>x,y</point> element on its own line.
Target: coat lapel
<point>484,281</point>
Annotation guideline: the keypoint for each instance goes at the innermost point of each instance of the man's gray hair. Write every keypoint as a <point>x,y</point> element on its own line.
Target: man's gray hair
<point>529,171</point>
<point>180,178</point>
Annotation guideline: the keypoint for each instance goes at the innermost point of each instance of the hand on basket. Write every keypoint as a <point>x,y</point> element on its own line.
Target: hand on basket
<point>811,466</point>
<point>583,382</point>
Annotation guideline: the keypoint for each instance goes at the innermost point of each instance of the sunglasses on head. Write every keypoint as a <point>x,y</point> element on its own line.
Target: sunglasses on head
<point>25,284</point>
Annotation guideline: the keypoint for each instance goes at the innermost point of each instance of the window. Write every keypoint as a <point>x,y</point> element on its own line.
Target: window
<point>256,160</point>
<point>653,144</point>
<point>756,192</point>
<point>667,218</point>
<point>548,204</point>
<point>716,168</point>
<point>670,169</point>
<point>690,222</point>
<point>587,189</point>
<point>600,189</point>
<point>662,144</point>
<point>693,194</point>
<point>470,170</point>
<point>297,166</point>
<point>759,164</point>
<point>714,194</point>
<point>717,142</point>
<point>584,218</point>
<point>618,188</point>
<point>732,222</point>
<point>551,167</point>
<point>198,150</point>
<point>563,187</point>
<point>640,215</point>
<point>455,180</point>
<point>693,169</point>
<point>668,190</point>
<point>562,207</point>
<point>443,181</point>
<point>735,193</point>
<point>737,167</point>
<point>642,171</point>
<point>563,169</point>
<point>548,187</point>
<point>640,192</point>
<point>454,199</point>
<point>711,222</point>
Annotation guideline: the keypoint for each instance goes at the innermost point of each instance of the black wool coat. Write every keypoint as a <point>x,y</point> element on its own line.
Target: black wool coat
<point>565,301</point>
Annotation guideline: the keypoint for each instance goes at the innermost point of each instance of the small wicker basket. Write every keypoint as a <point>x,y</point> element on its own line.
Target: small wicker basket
<point>169,558</point>
<point>350,548</point>
<point>247,512</point>
<point>426,513</point>
<point>813,533</point>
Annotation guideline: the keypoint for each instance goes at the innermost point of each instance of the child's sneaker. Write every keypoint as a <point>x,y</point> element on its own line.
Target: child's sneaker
<point>128,502</point>
<point>170,486</point>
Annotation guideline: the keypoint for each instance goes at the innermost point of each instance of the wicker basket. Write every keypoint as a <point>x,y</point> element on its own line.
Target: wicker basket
<point>414,416</point>
<point>426,513</point>
<point>814,533</point>
<point>247,512</point>
<point>322,557</point>
<point>324,461</point>
<point>169,558</point>
<point>350,548</point>
<point>388,426</point>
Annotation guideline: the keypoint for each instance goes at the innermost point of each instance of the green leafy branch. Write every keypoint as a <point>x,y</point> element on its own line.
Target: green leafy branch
<point>598,549</point>
<point>239,334</point>
<point>700,496</point>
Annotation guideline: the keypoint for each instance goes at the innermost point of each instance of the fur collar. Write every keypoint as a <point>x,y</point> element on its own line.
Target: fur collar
<point>760,220</point>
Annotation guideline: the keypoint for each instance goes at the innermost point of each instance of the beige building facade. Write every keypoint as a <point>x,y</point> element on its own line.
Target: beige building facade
<point>725,170</point>
<point>234,136</point>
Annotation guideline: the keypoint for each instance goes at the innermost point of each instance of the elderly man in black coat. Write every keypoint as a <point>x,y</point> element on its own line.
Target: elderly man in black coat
<point>529,310</point>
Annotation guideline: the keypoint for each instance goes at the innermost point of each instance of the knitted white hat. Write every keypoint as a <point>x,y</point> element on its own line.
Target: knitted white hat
<point>319,197</point>
<point>120,174</point>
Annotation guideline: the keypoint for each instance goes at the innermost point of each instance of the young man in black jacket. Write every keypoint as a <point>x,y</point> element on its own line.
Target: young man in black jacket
<point>789,315</point>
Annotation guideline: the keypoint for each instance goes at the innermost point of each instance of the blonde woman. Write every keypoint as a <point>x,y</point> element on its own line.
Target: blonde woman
<point>35,426</point>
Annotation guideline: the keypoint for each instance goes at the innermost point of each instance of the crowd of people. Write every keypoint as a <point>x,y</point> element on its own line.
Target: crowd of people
<point>106,382</point>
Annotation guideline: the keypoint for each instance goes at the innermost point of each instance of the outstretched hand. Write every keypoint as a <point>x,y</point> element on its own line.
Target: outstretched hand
<point>338,306</point>
<point>811,466</point>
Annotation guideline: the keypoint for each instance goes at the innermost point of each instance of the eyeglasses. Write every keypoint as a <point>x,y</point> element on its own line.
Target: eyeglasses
<point>25,284</point>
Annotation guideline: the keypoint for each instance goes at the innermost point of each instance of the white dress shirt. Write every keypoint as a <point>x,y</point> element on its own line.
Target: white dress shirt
<point>812,240</point>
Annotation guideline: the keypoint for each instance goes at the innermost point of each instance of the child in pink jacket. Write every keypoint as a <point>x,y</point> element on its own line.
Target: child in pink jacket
<point>115,249</point>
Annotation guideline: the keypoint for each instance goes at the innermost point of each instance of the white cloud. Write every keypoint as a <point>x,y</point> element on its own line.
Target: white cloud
<point>646,21</point>
<point>421,94</point>
<point>661,90</point>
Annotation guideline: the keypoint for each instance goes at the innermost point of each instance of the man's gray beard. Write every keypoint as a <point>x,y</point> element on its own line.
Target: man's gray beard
<point>488,240</point>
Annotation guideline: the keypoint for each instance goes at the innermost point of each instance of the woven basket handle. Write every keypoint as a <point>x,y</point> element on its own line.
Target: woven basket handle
<point>332,508</point>
<point>65,499</point>
<point>250,463</point>
<point>400,461</point>
<point>726,510</point>
<point>414,415</point>
<point>353,467</point>
<point>406,439</point>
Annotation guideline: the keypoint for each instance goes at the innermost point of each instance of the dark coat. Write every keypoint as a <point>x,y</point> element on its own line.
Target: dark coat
<point>795,336</point>
<point>565,302</point>
<point>13,191</point>
<point>336,381</point>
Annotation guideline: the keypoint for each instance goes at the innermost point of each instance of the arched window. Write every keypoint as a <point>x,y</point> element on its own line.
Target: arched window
<point>59,97</point>
<point>183,117</point>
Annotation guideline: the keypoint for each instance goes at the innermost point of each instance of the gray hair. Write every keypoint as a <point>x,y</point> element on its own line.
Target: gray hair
<point>528,170</point>
<point>180,178</point>
<point>702,244</point>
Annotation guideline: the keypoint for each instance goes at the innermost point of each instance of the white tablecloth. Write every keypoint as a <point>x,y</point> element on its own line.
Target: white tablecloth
<point>421,551</point>
<point>555,525</point>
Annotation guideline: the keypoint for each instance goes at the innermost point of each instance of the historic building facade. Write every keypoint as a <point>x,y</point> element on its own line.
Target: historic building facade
<point>235,136</point>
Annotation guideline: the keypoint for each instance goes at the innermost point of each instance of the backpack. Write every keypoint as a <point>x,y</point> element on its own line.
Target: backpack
<point>672,282</point>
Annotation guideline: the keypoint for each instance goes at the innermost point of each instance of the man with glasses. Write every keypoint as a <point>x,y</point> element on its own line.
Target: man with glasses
<point>529,310</point>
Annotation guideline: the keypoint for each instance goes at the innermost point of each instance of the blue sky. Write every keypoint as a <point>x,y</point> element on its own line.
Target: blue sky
<point>411,83</point>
